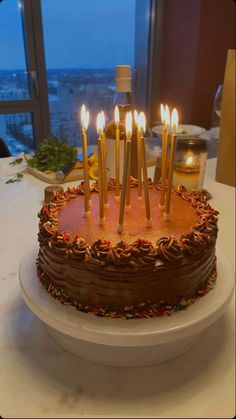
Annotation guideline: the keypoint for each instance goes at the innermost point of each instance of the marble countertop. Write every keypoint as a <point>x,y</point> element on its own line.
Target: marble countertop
<point>39,379</point>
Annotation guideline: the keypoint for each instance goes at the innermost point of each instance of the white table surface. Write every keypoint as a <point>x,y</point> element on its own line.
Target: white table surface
<point>39,379</point>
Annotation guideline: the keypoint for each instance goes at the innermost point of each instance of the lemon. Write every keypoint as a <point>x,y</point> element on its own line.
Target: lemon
<point>93,159</point>
<point>93,171</point>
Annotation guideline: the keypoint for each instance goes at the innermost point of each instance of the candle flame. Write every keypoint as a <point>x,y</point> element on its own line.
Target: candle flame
<point>142,122</point>
<point>128,124</point>
<point>84,114</point>
<point>163,114</point>
<point>103,119</point>
<point>189,160</point>
<point>100,122</point>
<point>167,117</point>
<point>117,116</point>
<point>136,117</point>
<point>174,120</point>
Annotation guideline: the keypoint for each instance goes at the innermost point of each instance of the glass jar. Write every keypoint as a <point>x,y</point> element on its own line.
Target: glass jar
<point>190,163</point>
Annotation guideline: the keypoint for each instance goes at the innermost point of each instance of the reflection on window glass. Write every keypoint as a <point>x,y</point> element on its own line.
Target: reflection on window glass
<point>13,74</point>
<point>84,41</point>
<point>17,131</point>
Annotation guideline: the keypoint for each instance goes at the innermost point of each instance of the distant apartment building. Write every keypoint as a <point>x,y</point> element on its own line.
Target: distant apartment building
<point>64,115</point>
<point>18,118</point>
<point>67,91</point>
<point>3,131</point>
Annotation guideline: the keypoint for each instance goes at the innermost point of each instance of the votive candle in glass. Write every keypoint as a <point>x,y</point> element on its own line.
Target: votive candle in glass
<point>190,163</point>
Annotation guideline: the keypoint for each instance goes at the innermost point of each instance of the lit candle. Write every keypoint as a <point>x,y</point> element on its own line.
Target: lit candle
<point>117,122</point>
<point>125,180</point>
<point>84,124</point>
<point>106,204</point>
<point>174,127</point>
<point>136,122</point>
<point>163,155</point>
<point>136,117</point>
<point>142,129</point>
<point>165,117</point>
<point>128,125</point>
<point>190,162</point>
<point>100,169</point>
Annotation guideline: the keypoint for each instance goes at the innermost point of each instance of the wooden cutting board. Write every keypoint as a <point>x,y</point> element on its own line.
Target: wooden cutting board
<point>50,177</point>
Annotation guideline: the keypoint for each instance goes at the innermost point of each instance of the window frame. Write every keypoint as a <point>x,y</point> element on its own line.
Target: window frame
<point>148,55</point>
<point>147,64</point>
<point>37,104</point>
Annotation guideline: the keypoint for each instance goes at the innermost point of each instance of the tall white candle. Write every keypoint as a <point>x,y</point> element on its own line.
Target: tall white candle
<point>84,123</point>
<point>125,180</point>
<point>106,204</point>
<point>117,178</point>
<point>100,181</point>
<point>128,127</point>
<point>142,129</point>
<point>165,116</point>
<point>174,127</point>
<point>139,156</point>
<point>99,124</point>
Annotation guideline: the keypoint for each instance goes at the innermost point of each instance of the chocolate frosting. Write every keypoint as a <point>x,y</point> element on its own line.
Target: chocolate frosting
<point>94,264</point>
<point>169,250</point>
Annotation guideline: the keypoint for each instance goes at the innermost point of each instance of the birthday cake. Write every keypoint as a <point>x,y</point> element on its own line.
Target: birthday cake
<point>143,272</point>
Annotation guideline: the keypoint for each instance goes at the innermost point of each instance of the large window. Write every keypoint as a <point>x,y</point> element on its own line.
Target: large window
<point>84,41</point>
<point>13,69</point>
<point>24,120</point>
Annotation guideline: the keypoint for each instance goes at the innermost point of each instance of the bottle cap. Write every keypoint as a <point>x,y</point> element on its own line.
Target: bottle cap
<point>123,78</point>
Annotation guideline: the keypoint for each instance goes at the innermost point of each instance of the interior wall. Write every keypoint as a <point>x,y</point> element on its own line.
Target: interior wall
<point>216,36</point>
<point>196,35</point>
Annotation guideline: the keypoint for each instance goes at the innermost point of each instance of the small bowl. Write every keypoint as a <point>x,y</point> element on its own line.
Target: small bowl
<point>183,131</point>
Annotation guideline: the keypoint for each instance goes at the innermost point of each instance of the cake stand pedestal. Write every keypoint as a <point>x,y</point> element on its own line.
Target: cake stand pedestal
<point>118,342</point>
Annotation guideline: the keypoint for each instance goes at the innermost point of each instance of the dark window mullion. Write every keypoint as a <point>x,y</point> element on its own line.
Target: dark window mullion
<point>155,58</point>
<point>36,15</point>
<point>18,106</point>
<point>142,41</point>
<point>37,104</point>
<point>148,43</point>
<point>29,44</point>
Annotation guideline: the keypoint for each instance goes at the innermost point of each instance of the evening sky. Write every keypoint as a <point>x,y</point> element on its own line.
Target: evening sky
<point>78,33</point>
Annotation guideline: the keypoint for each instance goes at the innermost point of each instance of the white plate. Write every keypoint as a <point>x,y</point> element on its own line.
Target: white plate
<point>125,342</point>
<point>183,131</point>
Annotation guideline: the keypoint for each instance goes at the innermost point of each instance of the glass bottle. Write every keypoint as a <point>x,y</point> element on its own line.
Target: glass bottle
<point>123,100</point>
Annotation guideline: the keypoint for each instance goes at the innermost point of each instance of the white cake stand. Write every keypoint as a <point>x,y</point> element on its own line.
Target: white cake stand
<point>126,342</point>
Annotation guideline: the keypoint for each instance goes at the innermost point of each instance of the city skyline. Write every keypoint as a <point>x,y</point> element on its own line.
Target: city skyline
<point>67,90</point>
<point>85,39</point>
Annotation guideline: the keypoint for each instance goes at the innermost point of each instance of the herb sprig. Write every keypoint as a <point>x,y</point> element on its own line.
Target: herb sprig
<point>19,160</point>
<point>17,178</point>
<point>52,154</point>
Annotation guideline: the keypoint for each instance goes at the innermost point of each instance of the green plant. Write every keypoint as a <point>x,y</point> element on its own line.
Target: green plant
<point>52,154</point>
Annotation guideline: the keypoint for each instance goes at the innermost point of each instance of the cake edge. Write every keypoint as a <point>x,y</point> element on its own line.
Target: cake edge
<point>146,309</point>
